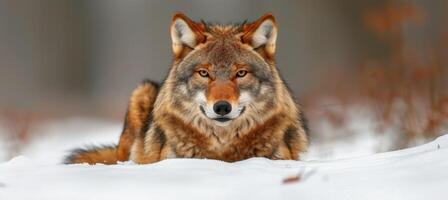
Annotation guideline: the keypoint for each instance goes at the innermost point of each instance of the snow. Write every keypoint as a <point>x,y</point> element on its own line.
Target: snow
<point>358,136</point>
<point>52,141</point>
<point>414,173</point>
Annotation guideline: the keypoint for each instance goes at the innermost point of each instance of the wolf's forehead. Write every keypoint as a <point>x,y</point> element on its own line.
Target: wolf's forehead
<point>222,53</point>
<point>223,46</point>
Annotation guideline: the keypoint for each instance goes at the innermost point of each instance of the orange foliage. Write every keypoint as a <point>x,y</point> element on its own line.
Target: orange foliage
<point>390,19</point>
<point>405,92</point>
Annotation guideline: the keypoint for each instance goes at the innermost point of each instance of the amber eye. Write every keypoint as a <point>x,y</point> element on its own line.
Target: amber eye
<point>241,73</point>
<point>203,73</point>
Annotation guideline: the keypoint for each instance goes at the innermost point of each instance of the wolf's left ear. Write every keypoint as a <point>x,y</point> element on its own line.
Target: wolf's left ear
<point>262,34</point>
<point>185,34</point>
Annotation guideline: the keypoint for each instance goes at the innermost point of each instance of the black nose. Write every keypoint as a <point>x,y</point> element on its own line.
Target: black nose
<point>222,108</point>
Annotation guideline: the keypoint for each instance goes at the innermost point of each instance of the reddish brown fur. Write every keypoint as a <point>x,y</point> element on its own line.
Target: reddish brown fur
<point>220,90</point>
<point>261,141</point>
<point>139,110</point>
<point>138,115</point>
<point>106,156</point>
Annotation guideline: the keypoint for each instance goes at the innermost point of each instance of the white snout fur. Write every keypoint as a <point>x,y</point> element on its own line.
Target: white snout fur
<point>243,100</point>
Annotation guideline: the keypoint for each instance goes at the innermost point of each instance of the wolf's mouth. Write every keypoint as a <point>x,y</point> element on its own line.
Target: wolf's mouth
<point>222,119</point>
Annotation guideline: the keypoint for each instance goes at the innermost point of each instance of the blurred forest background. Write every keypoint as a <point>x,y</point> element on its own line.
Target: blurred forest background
<point>380,60</point>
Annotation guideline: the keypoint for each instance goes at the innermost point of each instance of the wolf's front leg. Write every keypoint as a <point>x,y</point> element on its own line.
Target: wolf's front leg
<point>282,152</point>
<point>151,149</point>
<point>294,142</point>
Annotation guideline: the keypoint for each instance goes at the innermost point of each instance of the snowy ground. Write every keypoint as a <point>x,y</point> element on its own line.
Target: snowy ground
<point>415,173</point>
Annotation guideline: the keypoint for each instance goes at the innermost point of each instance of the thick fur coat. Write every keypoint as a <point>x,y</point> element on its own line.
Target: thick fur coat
<point>222,99</point>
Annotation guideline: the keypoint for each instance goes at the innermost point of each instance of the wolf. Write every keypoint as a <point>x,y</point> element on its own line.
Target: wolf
<point>223,99</point>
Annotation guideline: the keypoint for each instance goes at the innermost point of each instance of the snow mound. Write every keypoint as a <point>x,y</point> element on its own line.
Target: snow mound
<point>415,173</point>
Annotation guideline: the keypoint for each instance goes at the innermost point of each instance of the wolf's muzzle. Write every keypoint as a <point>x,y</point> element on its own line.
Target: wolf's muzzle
<point>222,112</point>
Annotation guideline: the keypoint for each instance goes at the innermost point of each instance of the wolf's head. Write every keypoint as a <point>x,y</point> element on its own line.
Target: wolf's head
<point>224,74</point>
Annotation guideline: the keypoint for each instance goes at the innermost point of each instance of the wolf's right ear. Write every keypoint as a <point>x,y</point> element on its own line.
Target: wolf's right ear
<point>185,34</point>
